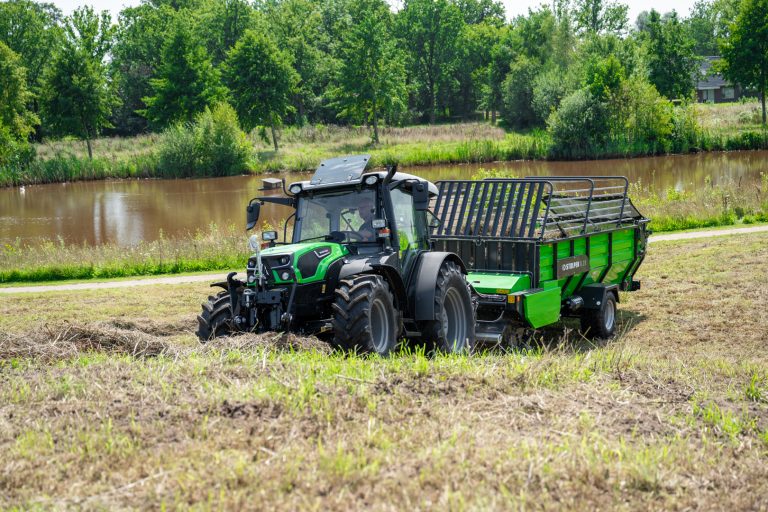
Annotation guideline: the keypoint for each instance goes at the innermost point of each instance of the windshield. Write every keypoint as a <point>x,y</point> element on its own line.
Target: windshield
<point>350,212</point>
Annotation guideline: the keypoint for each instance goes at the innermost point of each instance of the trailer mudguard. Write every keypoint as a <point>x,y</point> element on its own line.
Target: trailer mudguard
<point>594,294</point>
<point>422,293</point>
<point>541,307</point>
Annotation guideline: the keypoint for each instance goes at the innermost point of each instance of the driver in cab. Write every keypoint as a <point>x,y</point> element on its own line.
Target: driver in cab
<point>366,211</point>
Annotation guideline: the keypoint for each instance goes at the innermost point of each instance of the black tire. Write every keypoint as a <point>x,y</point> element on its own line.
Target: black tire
<point>364,316</point>
<point>453,329</point>
<point>216,319</point>
<point>600,323</point>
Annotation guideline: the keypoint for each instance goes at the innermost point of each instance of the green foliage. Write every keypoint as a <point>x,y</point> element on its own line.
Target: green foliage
<point>298,28</point>
<point>518,109</point>
<point>597,16</point>
<point>14,96</point>
<point>261,79</point>
<point>141,31</point>
<point>579,126</point>
<point>745,52</point>
<point>604,78</point>
<point>31,30</point>
<point>671,59</point>
<point>429,31</point>
<point>371,78</point>
<point>186,81</point>
<point>213,145</point>
<point>709,22</point>
<point>78,95</point>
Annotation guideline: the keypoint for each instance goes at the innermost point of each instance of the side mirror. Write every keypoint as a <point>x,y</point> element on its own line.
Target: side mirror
<point>420,192</point>
<point>252,215</point>
<point>433,222</point>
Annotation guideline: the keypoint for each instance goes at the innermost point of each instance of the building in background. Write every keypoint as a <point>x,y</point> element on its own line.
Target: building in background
<point>711,87</point>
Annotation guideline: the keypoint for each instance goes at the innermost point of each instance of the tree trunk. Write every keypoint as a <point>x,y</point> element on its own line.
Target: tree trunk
<point>432,102</point>
<point>493,116</point>
<point>90,151</point>
<point>375,125</point>
<point>762,98</point>
<point>274,136</point>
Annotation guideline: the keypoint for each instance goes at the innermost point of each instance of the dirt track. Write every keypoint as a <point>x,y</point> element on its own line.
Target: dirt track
<point>220,276</point>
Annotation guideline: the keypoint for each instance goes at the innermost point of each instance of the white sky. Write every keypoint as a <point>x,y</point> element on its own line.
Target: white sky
<point>513,8</point>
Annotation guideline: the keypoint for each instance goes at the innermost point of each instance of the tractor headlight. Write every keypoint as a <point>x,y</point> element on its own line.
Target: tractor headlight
<point>285,276</point>
<point>295,189</point>
<point>252,278</point>
<point>284,260</point>
<point>371,180</point>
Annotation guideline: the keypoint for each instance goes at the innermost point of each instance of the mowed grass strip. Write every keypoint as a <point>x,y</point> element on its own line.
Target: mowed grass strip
<point>671,414</point>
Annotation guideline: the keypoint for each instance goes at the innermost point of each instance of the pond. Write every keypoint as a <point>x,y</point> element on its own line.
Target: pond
<point>126,212</point>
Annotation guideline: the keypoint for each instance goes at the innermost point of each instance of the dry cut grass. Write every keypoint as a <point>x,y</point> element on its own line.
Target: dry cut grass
<point>672,414</point>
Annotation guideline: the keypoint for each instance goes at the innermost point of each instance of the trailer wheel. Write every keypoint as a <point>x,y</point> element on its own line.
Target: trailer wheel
<point>453,330</point>
<point>216,319</point>
<point>364,316</point>
<point>601,323</point>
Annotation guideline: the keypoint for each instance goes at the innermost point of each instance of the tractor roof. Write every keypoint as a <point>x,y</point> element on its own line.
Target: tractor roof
<point>350,170</point>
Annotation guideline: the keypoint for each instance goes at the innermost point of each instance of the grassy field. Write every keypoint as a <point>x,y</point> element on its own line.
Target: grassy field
<point>107,401</point>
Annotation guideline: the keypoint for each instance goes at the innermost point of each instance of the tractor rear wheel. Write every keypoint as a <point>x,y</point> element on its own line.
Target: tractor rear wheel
<point>600,323</point>
<point>364,316</point>
<point>216,319</point>
<point>453,329</point>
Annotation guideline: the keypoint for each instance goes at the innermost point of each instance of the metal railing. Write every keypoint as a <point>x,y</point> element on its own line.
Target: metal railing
<point>532,208</point>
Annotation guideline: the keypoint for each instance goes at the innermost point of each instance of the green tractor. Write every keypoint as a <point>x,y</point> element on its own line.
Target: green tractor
<point>378,256</point>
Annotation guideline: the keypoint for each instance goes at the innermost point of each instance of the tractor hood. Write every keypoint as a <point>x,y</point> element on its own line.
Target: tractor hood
<point>307,262</point>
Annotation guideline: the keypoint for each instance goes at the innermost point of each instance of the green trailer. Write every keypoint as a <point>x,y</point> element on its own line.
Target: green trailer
<point>538,249</point>
<point>378,256</point>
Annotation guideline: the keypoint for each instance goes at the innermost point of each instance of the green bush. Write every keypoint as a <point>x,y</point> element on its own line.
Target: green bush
<point>214,145</point>
<point>518,111</point>
<point>579,126</point>
<point>549,89</point>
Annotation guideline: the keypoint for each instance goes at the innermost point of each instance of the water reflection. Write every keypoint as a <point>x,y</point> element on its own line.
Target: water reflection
<point>127,212</point>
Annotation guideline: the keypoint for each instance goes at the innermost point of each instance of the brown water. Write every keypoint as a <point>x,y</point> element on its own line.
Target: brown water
<point>126,212</point>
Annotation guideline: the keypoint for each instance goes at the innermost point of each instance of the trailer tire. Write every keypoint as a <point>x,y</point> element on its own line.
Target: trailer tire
<point>600,323</point>
<point>364,316</point>
<point>453,330</point>
<point>216,319</point>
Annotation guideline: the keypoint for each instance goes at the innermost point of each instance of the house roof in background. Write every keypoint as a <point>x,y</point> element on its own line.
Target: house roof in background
<point>708,79</point>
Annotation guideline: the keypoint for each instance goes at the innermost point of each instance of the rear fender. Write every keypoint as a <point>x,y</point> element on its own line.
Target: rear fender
<point>422,293</point>
<point>594,294</point>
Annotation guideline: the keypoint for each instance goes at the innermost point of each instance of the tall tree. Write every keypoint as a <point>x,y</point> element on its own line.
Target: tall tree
<point>599,17</point>
<point>490,12</point>
<point>298,28</point>
<point>16,121</point>
<point>141,31</point>
<point>78,94</point>
<point>186,81</point>
<point>31,30</point>
<point>672,63</point>
<point>222,23</point>
<point>745,52</point>
<point>430,31</point>
<point>708,24</point>
<point>14,95</point>
<point>371,79</point>
<point>261,80</point>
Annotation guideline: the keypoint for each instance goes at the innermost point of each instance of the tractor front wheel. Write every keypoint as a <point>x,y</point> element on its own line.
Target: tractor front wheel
<point>364,316</point>
<point>216,319</point>
<point>453,329</point>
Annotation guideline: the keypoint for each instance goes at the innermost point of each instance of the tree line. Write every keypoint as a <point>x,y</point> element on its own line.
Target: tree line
<point>563,67</point>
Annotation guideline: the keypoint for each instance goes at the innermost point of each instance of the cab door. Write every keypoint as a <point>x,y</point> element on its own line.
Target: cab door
<point>410,228</point>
